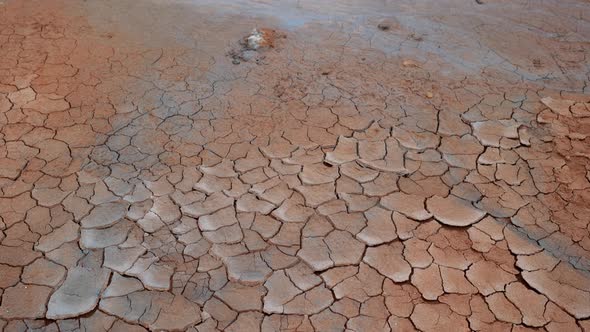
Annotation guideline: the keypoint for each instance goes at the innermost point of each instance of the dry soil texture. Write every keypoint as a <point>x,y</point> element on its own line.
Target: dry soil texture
<point>385,166</point>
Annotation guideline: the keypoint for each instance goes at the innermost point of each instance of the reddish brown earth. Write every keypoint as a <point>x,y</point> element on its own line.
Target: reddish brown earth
<point>386,166</point>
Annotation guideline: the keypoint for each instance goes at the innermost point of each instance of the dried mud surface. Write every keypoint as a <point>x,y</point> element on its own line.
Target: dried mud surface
<point>386,166</point>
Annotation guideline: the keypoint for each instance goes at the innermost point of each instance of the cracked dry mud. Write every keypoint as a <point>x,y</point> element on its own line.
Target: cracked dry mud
<point>387,166</point>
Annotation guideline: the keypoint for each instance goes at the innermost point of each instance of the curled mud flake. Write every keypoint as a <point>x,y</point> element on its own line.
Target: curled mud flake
<point>411,206</point>
<point>437,317</point>
<point>503,309</point>
<point>43,272</point>
<point>488,278</point>
<point>530,304</point>
<point>428,281</point>
<point>178,315</point>
<point>121,286</point>
<point>388,259</point>
<point>380,227</point>
<point>559,106</point>
<point>105,215</point>
<point>454,211</point>
<point>249,269</point>
<point>241,297</point>
<point>280,291</point>
<point>79,293</point>
<point>565,285</point>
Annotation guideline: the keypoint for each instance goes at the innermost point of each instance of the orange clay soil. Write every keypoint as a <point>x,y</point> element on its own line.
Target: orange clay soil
<point>388,166</point>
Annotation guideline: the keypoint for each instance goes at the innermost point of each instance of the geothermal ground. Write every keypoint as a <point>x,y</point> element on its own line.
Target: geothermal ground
<point>352,166</point>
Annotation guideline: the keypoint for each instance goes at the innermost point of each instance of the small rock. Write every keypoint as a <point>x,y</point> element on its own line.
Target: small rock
<point>260,38</point>
<point>410,63</point>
